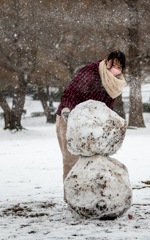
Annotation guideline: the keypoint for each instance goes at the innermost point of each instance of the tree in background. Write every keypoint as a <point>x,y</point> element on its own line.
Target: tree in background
<point>135,57</point>
<point>24,44</point>
<point>18,54</point>
<point>45,42</point>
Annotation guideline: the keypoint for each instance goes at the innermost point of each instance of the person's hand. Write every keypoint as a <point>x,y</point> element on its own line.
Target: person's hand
<point>109,64</point>
<point>65,114</point>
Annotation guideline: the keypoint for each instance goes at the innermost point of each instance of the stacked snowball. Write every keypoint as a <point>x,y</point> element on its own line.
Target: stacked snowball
<point>98,186</point>
<point>93,128</point>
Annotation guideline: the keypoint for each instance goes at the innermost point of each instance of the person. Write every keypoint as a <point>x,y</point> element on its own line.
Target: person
<point>103,81</point>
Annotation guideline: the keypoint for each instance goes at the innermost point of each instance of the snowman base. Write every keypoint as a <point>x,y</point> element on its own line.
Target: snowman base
<point>98,187</point>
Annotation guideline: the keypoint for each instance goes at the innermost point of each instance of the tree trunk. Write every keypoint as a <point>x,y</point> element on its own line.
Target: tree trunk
<point>7,111</point>
<point>43,98</point>
<point>9,119</point>
<point>17,109</point>
<point>12,117</point>
<point>119,107</point>
<point>136,109</point>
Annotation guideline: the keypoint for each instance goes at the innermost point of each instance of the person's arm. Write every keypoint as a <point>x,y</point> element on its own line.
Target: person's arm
<point>65,113</point>
<point>79,88</point>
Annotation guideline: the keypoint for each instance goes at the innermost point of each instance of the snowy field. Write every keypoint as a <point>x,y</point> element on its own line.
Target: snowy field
<point>31,189</point>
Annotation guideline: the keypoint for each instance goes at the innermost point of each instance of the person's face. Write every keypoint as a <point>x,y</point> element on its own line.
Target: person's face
<point>114,67</point>
<point>115,63</point>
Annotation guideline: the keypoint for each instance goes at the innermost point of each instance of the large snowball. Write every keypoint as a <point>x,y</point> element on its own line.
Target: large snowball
<point>93,128</point>
<point>98,187</point>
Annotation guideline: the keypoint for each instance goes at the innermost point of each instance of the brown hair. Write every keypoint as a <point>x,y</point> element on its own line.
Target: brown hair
<point>119,56</point>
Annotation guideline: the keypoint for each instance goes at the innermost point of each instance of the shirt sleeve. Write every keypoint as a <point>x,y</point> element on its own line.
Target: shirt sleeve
<point>75,92</point>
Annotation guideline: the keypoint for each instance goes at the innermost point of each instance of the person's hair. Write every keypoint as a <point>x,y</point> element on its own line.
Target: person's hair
<point>119,56</point>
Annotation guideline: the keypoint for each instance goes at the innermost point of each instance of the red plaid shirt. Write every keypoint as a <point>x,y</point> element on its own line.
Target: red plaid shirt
<point>85,85</point>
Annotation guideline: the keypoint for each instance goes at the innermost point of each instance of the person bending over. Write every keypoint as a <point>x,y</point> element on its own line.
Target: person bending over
<point>102,81</point>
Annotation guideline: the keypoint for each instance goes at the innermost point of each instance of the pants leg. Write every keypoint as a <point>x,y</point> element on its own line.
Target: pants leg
<point>68,159</point>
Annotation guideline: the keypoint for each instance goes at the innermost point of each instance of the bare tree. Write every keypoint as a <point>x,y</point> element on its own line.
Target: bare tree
<point>18,54</point>
<point>44,42</point>
<point>136,110</point>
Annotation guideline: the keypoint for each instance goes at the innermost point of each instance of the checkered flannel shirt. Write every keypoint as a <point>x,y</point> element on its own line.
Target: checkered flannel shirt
<point>85,85</point>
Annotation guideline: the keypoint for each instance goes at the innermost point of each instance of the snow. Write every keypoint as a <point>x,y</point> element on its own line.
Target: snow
<point>31,187</point>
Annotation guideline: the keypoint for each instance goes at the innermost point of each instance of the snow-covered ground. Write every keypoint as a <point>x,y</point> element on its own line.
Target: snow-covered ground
<point>31,188</point>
